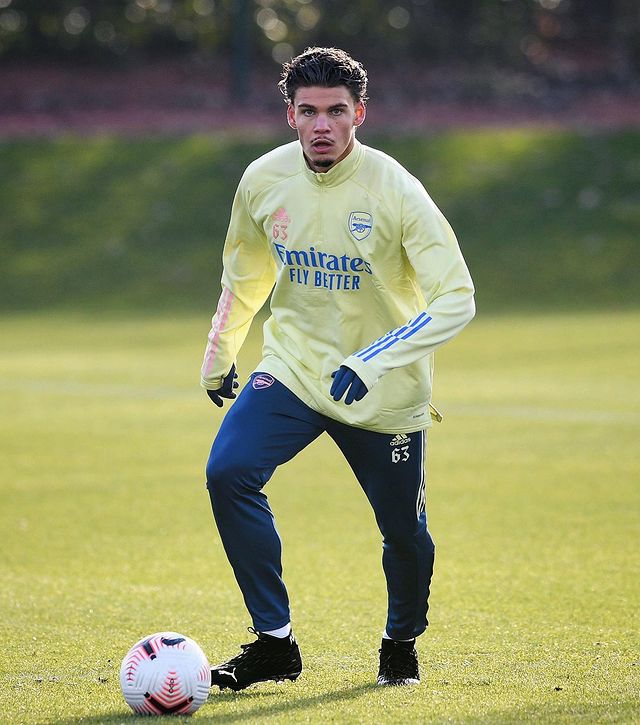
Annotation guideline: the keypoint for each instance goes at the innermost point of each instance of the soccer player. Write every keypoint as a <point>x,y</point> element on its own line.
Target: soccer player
<point>367,280</point>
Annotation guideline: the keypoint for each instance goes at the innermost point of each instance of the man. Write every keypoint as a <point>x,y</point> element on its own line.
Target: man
<point>367,280</point>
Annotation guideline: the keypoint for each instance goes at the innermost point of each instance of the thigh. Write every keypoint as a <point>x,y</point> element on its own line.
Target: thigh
<point>390,469</point>
<point>266,426</point>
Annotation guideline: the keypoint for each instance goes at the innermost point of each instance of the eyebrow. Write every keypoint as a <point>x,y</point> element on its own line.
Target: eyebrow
<point>313,108</point>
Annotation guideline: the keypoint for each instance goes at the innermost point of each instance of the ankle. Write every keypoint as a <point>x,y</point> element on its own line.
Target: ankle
<point>407,644</point>
<point>277,643</point>
<point>280,633</point>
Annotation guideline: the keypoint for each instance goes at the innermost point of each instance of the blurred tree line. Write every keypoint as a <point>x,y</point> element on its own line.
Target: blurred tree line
<point>560,40</point>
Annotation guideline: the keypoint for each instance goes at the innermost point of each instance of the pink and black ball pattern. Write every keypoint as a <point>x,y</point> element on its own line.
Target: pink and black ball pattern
<point>165,674</point>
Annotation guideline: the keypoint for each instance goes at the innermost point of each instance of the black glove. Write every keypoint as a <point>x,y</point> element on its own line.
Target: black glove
<point>346,380</point>
<point>229,384</point>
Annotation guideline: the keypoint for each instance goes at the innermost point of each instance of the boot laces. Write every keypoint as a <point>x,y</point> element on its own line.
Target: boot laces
<point>255,650</point>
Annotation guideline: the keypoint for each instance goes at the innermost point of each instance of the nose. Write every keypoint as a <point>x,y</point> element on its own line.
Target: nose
<point>322,123</point>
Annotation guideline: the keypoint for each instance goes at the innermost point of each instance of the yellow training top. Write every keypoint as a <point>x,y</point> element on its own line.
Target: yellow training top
<point>365,271</point>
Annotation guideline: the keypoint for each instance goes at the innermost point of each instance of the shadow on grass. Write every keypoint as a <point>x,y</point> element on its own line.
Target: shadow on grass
<point>264,710</point>
<point>623,710</point>
<point>260,710</point>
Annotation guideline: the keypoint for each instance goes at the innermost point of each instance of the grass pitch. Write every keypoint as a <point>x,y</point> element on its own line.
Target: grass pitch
<point>533,500</point>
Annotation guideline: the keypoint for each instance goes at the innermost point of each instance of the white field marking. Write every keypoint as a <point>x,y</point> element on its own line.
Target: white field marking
<point>554,415</point>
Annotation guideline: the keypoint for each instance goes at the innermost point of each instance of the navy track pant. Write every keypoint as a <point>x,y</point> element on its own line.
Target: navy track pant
<point>267,426</point>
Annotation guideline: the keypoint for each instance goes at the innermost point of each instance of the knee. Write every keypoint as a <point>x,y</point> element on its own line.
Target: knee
<point>228,475</point>
<point>407,539</point>
<point>221,473</point>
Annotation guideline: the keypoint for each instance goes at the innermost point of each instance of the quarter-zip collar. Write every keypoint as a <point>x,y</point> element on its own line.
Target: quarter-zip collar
<point>339,173</point>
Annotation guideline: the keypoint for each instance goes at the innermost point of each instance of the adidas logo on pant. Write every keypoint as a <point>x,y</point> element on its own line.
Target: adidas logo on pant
<point>400,439</point>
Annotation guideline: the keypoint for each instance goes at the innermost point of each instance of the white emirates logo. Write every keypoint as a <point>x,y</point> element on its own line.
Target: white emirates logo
<point>400,439</point>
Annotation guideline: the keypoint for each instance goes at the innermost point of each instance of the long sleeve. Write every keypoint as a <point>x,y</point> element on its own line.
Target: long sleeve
<point>247,279</point>
<point>352,254</point>
<point>443,279</point>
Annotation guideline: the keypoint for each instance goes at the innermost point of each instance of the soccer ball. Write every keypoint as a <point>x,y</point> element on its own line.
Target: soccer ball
<point>165,674</point>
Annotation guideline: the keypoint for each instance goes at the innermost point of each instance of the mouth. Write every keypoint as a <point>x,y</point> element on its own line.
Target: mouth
<point>321,145</point>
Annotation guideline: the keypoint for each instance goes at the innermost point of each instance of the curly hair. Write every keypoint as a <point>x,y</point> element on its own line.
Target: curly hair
<point>327,67</point>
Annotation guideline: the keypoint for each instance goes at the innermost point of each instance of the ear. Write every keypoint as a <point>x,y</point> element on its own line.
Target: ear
<point>361,114</point>
<point>291,116</point>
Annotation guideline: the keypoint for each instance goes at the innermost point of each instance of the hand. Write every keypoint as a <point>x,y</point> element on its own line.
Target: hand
<point>229,384</point>
<point>345,380</point>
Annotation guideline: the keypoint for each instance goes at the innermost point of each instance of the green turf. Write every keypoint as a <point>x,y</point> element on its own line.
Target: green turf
<point>547,219</point>
<point>533,499</point>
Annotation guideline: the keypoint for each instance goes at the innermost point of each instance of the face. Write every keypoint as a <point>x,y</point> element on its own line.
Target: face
<point>326,120</point>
